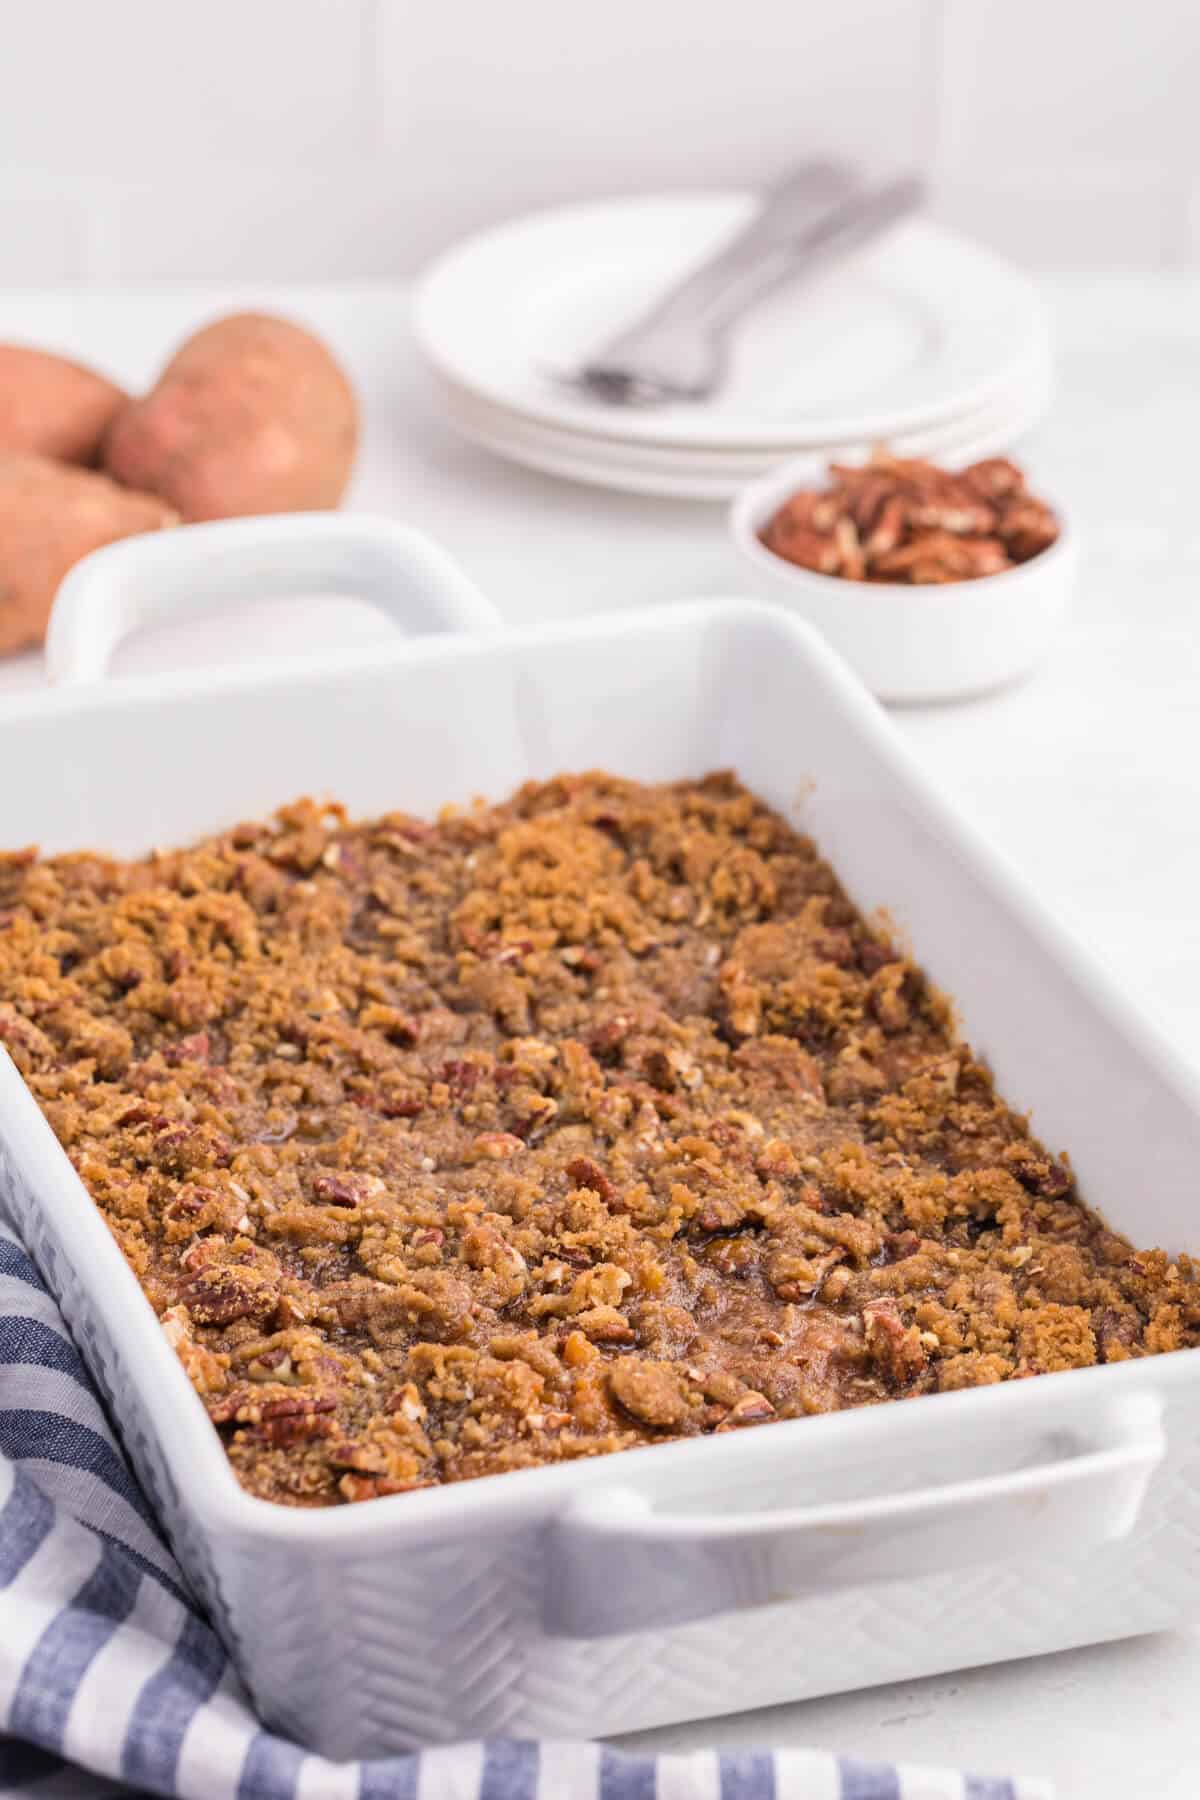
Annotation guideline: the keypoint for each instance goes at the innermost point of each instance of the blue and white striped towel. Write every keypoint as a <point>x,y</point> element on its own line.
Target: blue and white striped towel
<point>112,1684</point>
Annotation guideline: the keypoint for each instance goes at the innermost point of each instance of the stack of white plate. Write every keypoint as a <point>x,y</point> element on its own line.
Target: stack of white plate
<point>924,341</point>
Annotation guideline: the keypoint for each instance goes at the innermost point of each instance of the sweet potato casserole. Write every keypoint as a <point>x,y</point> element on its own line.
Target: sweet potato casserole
<point>556,1127</point>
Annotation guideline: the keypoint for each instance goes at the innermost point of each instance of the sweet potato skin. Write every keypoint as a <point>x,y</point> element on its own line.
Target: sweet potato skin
<point>251,415</point>
<point>50,406</point>
<point>51,516</point>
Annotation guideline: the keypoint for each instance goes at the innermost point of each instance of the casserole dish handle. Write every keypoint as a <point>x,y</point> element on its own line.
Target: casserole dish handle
<point>173,576</point>
<point>620,1564</point>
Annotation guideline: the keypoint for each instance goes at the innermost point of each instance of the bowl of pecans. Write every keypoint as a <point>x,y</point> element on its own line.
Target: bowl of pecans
<point>933,583</point>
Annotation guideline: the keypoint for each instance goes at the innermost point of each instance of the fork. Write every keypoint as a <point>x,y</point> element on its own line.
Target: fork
<point>678,351</point>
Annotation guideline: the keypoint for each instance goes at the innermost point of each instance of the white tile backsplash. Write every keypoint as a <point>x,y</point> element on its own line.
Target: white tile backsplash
<point>149,87</point>
<point>227,220</point>
<point>282,139</point>
<point>539,101</point>
<point>1104,215</point>
<point>43,227</point>
<point>1067,132</point>
<point>1053,82</point>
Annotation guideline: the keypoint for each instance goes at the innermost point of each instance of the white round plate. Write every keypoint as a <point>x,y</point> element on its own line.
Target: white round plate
<point>986,432</point>
<point>913,329</point>
<point>1027,394</point>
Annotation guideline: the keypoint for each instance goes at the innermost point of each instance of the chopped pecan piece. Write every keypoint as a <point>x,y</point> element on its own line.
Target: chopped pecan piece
<point>993,478</point>
<point>1038,1173</point>
<point>178,1147</point>
<point>895,1349</point>
<point>292,1421</point>
<point>220,1296</point>
<point>1116,1333</point>
<point>583,1172</point>
<point>751,1409</point>
<point>340,1190</point>
<point>460,1076</point>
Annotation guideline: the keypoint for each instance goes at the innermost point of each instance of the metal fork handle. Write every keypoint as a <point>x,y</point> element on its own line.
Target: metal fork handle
<point>676,349</point>
<point>837,234</point>
<point>800,199</point>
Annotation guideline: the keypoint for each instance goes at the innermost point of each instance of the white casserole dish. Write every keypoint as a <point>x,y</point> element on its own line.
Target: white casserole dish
<point>703,1576</point>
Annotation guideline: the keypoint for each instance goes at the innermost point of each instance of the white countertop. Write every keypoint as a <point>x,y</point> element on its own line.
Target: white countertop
<point>1088,776</point>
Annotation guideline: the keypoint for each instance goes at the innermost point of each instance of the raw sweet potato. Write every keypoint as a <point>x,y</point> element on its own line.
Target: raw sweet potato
<point>50,516</point>
<point>252,415</point>
<point>52,407</point>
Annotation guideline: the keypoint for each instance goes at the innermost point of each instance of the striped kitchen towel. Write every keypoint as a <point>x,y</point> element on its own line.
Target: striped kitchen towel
<point>112,1683</point>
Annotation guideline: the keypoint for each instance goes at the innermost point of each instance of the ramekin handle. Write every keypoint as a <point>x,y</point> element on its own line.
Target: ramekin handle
<point>169,576</point>
<point>619,1564</point>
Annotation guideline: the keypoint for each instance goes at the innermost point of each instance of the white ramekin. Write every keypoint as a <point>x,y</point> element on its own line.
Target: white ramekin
<point>911,643</point>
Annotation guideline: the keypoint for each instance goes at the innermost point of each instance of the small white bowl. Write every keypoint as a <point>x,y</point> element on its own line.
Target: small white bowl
<point>940,642</point>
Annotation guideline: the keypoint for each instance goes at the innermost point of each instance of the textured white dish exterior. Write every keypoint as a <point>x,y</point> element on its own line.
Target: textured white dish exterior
<point>1067,1508</point>
<point>907,643</point>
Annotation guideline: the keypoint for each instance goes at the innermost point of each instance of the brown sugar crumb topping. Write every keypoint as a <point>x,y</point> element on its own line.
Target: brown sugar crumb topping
<point>585,1121</point>
<point>904,520</point>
